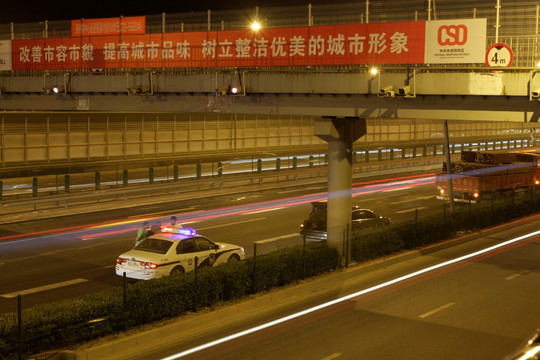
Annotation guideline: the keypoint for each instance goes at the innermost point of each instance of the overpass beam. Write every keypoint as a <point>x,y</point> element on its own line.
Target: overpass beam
<point>340,134</point>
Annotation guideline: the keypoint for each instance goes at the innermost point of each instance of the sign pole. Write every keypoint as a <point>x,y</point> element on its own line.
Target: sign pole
<point>448,167</point>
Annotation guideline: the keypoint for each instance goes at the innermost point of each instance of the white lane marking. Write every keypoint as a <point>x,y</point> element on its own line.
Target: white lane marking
<point>345,298</point>
<point>403,188</point>
<point>332,356</point>
<point>277,238</point>
<point>411,210</point>
<point>231,223</point>
<point>512,276</point>
<point>264,210</point>
<point>415,198</point>
<point>303,189</point>
<point>162,212</point>
<point>43,288</point>
<point>434,311</point>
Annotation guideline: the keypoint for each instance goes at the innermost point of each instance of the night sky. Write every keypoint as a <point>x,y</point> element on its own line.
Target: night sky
<point>35,11</point>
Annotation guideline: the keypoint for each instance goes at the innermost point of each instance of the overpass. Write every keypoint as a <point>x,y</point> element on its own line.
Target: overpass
<point>316,86</point>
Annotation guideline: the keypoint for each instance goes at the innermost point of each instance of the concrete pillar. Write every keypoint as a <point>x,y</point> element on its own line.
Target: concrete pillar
<point>340,133</point>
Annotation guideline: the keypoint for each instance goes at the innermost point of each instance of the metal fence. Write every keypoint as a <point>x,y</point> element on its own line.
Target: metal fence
<point>516,18</point>
<point>56,138</point>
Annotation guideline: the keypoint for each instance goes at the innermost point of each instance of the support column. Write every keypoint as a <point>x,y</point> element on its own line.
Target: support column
<point>340,133</point>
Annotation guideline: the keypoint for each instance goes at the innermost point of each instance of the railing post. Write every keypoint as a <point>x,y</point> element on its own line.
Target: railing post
<point>199,171</point>
<point>219,169</point>
<point>195,283</point>
<point>416,220</point>
<point>278,164</point>
<point>151,175</point>
<point>125,181</point>
<point>259,165</point>
<point>303,256</point>
<point>310,161</point>
<point>66,184</point>
<point>35,187</point>
<point>19,324</point>
<point>175,173</point>
<point>294,162</point>
<point>124,300</point>
<point>367,156</point>
<point>254,267</point>
<point>98,180</point>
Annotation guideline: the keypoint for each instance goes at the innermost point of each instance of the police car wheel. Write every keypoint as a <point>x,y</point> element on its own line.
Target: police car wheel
<point>233,257</point>
<point>177,270</point>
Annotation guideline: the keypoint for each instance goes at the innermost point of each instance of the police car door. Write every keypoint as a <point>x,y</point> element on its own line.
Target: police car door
<point>187,250</point>
<point>207,252</point>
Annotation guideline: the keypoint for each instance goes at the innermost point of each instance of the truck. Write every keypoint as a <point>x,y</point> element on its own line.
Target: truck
<point>489,174</point>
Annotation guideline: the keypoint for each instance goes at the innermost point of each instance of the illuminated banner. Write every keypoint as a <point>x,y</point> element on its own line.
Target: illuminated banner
<point>108,26</point>
<point>5,55</point>
<point>455,41</point>
<point>358,44</point>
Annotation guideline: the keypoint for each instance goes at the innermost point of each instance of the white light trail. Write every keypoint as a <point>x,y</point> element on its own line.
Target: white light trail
<point>345,298</point>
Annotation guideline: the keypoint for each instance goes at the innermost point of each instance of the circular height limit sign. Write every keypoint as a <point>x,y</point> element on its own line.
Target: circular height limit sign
<point>499,55</point>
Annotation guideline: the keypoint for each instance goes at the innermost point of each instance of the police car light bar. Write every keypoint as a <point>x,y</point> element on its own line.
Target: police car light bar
<point>187,232</point>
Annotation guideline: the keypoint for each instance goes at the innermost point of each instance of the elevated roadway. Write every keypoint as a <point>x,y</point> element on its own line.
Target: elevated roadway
<point>450,94</point>
<point>314,60</point>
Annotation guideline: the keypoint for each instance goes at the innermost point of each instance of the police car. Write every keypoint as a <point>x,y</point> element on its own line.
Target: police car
<point>174,252</point>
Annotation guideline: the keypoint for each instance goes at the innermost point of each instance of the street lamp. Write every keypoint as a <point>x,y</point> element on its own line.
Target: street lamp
<point>255,26</point>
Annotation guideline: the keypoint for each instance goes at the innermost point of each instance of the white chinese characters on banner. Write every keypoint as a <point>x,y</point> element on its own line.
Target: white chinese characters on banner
<point>241,48</point>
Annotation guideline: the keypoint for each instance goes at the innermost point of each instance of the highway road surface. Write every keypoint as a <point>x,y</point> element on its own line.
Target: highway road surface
<point>56,258</point>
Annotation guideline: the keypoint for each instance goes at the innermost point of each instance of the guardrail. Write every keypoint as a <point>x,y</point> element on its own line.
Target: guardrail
<point>270,173</point>
<point>62,180</point>
<point>213,186</point>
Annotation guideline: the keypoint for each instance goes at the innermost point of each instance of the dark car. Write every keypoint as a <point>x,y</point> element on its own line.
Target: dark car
<point>314,228</point>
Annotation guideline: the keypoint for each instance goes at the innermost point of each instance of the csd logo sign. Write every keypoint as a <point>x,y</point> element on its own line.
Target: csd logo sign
<point>452,35</point>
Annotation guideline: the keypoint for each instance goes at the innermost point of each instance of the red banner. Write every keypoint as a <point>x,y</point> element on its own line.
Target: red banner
<point>108,26</point>
<point>380,43</point>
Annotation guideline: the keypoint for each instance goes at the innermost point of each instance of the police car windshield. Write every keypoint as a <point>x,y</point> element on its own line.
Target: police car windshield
<point>157,246</point>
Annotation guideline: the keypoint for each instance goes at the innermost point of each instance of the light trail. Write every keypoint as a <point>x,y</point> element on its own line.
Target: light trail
<point>120,226</point>
<point>347,297</point>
